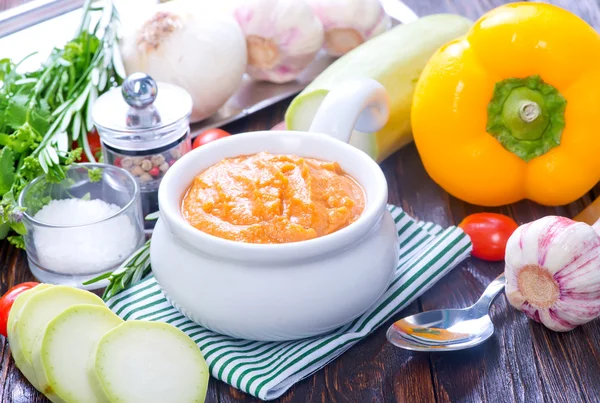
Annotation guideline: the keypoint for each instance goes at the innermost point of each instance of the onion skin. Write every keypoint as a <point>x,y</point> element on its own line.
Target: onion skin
<point>200,49</point>
<point>553,272</point>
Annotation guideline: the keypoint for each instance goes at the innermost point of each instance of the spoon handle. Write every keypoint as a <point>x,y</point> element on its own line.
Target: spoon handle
<point>491,292</point>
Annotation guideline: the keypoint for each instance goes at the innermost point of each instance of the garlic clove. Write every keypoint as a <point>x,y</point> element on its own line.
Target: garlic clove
<point>282,37</point>
<point>339,41</point>
<point>553,272</point>
<point>262,52</point>
<point>582,274</point>
<point>554,321</point>
<point>563,240</point>
<point>349,23</point>
<point>571,311</point>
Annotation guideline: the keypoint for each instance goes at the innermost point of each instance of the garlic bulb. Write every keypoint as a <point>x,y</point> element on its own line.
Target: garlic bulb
<point>348,23</point>
<point>282,36</point>
<point>553,272</point>
<point>196,47</point>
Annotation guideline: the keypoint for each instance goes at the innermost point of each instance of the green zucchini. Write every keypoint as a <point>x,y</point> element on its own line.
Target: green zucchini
<point>395,59</point>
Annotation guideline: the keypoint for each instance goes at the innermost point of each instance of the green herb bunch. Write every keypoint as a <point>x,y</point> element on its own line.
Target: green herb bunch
<point>134,269</point>
<point>45,115</point>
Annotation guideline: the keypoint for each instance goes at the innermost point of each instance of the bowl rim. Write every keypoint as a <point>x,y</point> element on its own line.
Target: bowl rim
<point>90,165</point>
<point>170,211</point>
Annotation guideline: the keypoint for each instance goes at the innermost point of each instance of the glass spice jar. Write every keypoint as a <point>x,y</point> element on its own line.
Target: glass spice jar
<point>144,128</point>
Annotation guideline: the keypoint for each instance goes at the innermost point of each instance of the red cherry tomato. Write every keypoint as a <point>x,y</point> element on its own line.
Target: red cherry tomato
<point>208,136</point>
<point>7,300</point>
<point>95,146</point>
<point>489,234</point>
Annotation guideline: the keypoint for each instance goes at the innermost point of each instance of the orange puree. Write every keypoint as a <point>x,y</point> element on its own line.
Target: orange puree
<point>266,198</point>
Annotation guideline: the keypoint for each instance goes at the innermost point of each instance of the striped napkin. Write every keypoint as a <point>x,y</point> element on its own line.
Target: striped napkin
<point>267,369</point>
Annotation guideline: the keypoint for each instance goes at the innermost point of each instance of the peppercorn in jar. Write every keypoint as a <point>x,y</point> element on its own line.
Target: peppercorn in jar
<point>144,128</point>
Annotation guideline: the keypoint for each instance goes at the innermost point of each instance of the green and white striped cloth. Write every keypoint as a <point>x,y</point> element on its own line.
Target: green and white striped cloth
<point>267,369</point>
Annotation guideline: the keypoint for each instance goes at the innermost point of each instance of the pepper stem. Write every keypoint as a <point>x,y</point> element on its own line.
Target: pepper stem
<point>526,115</point>
<point>529,111</point>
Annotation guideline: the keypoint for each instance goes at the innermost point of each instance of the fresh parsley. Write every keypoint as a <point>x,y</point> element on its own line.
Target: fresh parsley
<point>95,174</point>
<point>45,112</point>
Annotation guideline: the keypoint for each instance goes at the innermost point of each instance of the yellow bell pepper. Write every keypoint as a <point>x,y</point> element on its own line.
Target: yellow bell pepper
<point>512,109</point>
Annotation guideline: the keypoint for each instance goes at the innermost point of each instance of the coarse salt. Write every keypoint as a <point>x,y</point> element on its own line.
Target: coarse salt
<point>82,249</point>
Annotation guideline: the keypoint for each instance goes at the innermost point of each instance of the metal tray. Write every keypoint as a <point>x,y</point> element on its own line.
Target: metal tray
<point>26,29</point>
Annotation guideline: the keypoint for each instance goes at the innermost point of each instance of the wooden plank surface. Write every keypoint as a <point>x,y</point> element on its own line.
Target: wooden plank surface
<point>523,362</point>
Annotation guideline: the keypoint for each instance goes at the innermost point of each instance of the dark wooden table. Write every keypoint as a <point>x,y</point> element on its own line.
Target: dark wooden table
<point>522,362</point>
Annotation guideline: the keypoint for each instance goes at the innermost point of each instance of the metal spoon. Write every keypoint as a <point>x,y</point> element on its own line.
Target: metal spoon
<point>448,329</point>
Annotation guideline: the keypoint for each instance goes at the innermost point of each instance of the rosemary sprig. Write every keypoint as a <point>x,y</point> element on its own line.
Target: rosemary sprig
<point>131,271</point>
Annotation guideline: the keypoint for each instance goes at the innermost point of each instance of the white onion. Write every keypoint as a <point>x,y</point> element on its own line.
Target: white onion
<point>197,48</point>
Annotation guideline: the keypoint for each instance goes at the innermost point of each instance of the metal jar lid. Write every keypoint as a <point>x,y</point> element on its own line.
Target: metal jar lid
<point>142,114</point>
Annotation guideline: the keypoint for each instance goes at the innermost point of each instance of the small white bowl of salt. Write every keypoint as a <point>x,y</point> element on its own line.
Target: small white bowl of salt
<point>83,226</point>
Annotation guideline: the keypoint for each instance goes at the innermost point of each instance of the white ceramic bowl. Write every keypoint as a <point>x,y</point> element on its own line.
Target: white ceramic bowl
<point>283,291</point>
